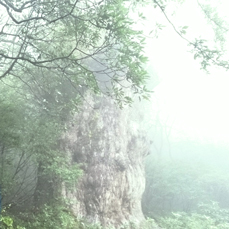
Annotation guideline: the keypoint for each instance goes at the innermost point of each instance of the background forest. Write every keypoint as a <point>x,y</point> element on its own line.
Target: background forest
<point>60,59</point>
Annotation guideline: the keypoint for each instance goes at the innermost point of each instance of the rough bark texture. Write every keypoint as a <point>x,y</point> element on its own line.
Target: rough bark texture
<point>111,147</point>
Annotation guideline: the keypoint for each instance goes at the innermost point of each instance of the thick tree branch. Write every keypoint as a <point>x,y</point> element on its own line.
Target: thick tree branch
<point>23,6</point>
<point>8,7</point>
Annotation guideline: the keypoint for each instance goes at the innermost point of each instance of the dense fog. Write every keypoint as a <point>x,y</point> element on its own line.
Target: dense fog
<point>189,161</point>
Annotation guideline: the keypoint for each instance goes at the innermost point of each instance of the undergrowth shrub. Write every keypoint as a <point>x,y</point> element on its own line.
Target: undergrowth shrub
<point>208,216</point>
<point>7,221</point>
<point>50,216</point>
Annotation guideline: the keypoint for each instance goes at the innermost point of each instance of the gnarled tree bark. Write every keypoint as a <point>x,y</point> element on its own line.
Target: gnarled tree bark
<point>110,146</point>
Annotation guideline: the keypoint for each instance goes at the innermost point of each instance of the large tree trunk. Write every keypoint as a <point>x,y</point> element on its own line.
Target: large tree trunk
<point>111,147</point>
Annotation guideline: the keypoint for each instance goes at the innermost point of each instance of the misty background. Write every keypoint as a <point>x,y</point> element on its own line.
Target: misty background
<point>189,160</point>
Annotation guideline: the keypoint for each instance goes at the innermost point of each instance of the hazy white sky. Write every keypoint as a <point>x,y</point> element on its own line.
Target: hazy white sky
<point>196,101</point>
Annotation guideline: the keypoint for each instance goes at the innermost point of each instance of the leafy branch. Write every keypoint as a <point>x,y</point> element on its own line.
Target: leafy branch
<point>201,51</point>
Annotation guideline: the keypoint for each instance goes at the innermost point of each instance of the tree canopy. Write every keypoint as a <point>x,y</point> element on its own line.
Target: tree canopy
<point>64,38</point>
